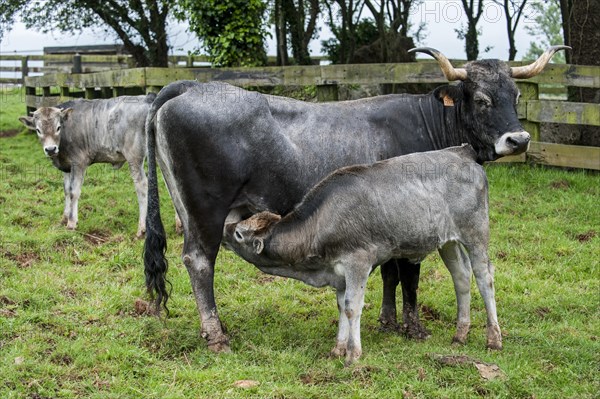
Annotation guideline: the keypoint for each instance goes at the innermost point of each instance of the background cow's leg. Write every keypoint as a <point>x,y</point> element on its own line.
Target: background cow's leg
<point>402,271</point>
<point>75,183</point>
<point>67,191</point>
<point>140,181</point>
<point>459,267</point>
<point>484,276</point>
<point>341,344</point>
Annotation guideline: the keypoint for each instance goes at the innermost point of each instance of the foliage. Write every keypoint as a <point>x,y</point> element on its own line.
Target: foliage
<point>547,30</point>
<point>469,33</point>
<point>365,33</point>
<point>513,11</point>
<point>140,25</point>
<point>232,31</point>
<point>70,328</point>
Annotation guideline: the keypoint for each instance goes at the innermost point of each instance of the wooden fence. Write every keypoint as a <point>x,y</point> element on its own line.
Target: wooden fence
<point>52,89</point>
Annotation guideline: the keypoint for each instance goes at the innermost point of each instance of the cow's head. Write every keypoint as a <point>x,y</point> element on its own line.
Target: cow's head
<point>486,99</point>
<point>47,123</point>
<point>248,237</point>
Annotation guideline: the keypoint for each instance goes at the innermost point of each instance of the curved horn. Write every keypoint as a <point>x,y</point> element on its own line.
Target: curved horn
<point>533,69</point>
<point>450,72</point>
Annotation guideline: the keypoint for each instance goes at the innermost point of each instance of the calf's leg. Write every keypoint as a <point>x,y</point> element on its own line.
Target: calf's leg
<point>67,191</point>
<point>458,265</point>
<point>341,344</point>
<point>140,181</point>
<point>73,191</point>
<point>484,276</point>
<point>354,301</point>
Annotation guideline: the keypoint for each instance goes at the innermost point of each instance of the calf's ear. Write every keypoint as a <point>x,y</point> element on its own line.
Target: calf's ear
<point>27,121</point>
<point>448,95</point>
<point>258,245</point>
<point>64,114</point>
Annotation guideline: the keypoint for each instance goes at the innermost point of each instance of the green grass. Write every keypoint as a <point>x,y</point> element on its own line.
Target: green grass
<point>69,329</point>
<point>12,105</point>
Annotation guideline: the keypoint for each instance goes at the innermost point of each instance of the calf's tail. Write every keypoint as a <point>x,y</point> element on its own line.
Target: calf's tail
<point>155,246</point>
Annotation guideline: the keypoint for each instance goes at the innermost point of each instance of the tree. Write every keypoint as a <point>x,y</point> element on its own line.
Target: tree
<point>513,11</point>
<point>232,31</point>
<point>470,34</point>
<point>547,29</point>
<point>344,21</point>
<point>300,18</point>
<point>140,24</point>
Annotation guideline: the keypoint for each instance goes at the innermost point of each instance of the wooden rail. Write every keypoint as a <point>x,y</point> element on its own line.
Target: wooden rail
<point>52,89</point>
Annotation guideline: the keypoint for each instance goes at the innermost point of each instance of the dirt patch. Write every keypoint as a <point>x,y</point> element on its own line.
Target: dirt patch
<point>428,313</point>
<point>542,312</point>
<point>97,237</point>
<point>9,133</point>
<point>560,184</point>
<point>585,237</point>
<point>24,259</point>
<point>265,279</point>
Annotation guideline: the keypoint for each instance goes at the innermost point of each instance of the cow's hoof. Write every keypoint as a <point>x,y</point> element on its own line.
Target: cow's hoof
<point>64,220</point>
<point>387,325</point>
<point>494,346</point>
<point>140,234</point>
<point>351,357</point>
<point>416,331</point>
<point>71,226</point>
<point>494,337</point>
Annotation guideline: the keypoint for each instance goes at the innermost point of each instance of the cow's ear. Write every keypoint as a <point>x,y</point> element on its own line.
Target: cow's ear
<point>27,121</point>
<point>448,95</point>
<point>259,245</point>
<point>64,114</point>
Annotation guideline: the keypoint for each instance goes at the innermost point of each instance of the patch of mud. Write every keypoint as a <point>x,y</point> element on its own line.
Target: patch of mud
<point>97,237</point>
<point>560,184</point>
<point>9,133</point>
<point>23,259</point>
<point>587,236</point>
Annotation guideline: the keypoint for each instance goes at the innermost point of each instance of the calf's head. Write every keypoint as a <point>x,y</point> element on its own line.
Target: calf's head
<point>47,123</point>
<point>249,237</point>
<point>486,101</point>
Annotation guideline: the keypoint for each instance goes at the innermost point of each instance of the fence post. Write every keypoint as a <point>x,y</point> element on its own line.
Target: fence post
<point>530,91</point>
<point>76,63</point>
<point>24,68</point>
<point>328,92</point>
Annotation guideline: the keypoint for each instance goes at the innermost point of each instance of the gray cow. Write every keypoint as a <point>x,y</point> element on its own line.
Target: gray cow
<point>79,133</point>
<point>361,216</point>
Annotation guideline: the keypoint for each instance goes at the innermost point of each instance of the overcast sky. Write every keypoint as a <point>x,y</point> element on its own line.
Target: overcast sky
<point>441,18</point>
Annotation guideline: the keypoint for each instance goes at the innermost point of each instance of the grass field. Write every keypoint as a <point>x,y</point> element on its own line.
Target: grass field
<point>69,327</point>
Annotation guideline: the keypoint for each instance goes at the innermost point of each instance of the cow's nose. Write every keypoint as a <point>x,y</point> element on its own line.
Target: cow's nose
<point>51,150</point>
<point>518,140</point>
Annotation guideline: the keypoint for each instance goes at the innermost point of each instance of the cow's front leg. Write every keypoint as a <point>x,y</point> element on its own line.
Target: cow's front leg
<point>391,279</point>
<point>74,185</point>
<point>409,273</point>
<point>201,270</point>
<point>341,344</point>
<point>141,189</point>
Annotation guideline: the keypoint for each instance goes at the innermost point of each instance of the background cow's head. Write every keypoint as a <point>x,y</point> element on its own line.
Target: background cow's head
<point>47,123</point>
<point>248,237</point>
<point>486,100</point>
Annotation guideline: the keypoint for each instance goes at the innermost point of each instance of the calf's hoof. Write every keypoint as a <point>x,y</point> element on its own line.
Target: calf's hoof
<point>339,350</point>
<point>219,347</point>
<point>351,357</point>
<point>140,234</point>
<point>71,225</point>
<point>462,330</point>
<point>494,337</point>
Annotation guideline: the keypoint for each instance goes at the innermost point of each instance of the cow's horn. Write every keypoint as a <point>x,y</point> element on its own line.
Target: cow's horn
<point>450,72</point>
<point>533,69</point>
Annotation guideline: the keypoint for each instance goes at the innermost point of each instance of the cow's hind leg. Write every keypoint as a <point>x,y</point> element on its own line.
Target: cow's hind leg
<point>458,264</point>
<point>201,245</point>
<point>401,271</point>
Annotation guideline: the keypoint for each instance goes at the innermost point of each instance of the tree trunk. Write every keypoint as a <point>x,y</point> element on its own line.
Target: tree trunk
<point>472,41</point>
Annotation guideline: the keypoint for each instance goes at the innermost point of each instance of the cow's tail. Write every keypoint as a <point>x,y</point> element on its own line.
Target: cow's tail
<point>155,246</point>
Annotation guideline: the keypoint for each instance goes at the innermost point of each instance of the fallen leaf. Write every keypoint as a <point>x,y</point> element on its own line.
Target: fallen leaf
<point>489,371</point>
<point>19,360</point>
<point>246,384</point>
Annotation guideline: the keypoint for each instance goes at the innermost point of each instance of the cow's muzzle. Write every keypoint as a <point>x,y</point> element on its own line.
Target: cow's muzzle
<point>512,143</point>
<point>51,150</point>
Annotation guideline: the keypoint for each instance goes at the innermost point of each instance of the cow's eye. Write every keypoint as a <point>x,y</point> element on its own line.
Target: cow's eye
<point>483,101</point>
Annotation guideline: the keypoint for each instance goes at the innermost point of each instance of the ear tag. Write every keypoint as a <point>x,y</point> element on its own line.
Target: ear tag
<point>448,101</point>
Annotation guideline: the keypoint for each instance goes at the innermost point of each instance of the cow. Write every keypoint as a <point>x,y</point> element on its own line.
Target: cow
<point>78,133</point>
<point>361,216</point>
<point>227,153</point>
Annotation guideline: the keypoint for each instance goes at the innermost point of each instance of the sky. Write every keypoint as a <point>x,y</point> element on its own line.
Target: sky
<point>440,16</point>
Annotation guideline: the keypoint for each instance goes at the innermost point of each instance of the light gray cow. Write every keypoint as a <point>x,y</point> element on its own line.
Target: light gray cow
<point>360,216</point>
<point>81,132</point>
